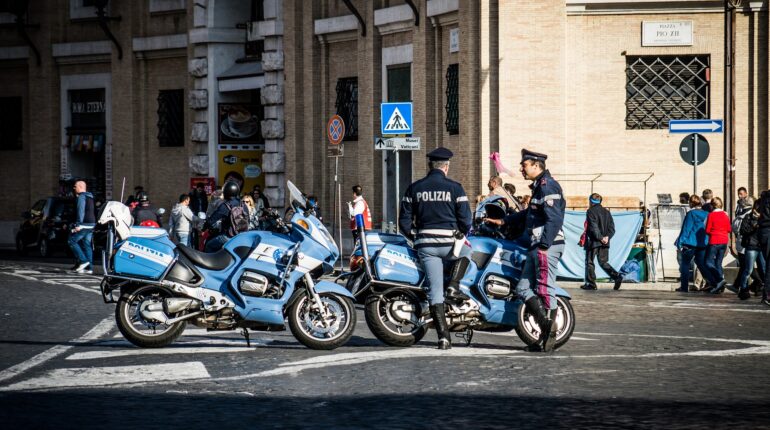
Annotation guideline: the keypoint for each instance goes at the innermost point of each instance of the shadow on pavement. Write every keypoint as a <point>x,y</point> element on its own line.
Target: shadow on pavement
<point>135,409</point>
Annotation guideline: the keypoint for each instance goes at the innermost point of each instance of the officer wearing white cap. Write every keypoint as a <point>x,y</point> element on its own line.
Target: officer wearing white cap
<point>433,211</point>
<point>543,222</point>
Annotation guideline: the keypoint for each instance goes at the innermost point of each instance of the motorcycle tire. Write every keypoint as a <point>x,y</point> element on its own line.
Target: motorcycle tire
<point>373,313</point>
<point>126,326</point>
<point>301,321</point>
<point>43,248</point>
<point>529,332</point>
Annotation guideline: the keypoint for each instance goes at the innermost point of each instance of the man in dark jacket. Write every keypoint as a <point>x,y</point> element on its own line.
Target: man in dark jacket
<point>219,221</point>
<point>596,240</point>
<point>763,234</point>
<point>144,211</point>
<point>80,241</point>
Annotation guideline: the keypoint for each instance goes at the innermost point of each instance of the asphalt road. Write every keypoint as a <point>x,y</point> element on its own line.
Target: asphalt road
<point>637,359</point>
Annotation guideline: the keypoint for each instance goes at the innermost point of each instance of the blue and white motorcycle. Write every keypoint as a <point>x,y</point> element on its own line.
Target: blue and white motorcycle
<point>257,281</point>
<point>387,278</point>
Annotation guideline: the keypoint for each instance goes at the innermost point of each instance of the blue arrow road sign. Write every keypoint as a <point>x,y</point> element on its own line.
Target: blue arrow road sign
<point>695,126</point>
<point>396,118</point>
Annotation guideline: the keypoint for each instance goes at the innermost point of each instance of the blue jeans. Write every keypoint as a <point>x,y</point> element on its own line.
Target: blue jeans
<point>182,238</point>
<point>538,277</point>
<point>714,256</point>
<point>432,261</point>
<point>750,256</point>
<point>687,255</point>
<point>80,243</point>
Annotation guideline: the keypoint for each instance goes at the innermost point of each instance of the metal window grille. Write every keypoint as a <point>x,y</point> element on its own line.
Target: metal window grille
<point>347,105</point>
<point>171,118</point>
<point>453,99</point>
<point>10,123</point>
<point>662,88</point>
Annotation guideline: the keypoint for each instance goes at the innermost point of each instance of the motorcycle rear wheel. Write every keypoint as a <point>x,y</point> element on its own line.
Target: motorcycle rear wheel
<point>386,325</point>
<point>529,331</point>
<point>315,331</point>
<point>130,321</point>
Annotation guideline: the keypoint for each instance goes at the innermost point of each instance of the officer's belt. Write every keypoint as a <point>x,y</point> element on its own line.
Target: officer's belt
<point>434,237</point>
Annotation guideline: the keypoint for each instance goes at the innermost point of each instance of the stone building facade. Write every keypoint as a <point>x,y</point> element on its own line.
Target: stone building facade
<point>558,76</point>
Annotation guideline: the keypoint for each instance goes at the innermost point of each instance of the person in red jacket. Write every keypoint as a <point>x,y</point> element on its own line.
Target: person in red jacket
<point>718,229</point>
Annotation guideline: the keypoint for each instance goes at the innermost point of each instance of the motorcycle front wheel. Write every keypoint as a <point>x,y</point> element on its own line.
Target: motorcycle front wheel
<point>322,329</point>
<point>394,318</point>
<point>529,331</point>
<point>136,329</point>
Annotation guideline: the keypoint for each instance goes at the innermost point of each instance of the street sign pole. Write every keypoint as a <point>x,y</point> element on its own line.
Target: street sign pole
<point>695,166</point>
<point>398,178</point>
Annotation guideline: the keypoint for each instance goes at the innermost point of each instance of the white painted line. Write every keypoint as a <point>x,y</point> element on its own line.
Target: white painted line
<point>26,272</point>
<point>109,376</point>
<point>172,350</point>
<point>354,358</point>
<point>19,275</point>
<point>78,287</point>
<point>98,331</point>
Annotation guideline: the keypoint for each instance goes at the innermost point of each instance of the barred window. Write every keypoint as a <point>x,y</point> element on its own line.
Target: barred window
<point>662,88</point>
<point>171,118</point>
<point>347,105</point>
<point>452,99</point>
<point>10,123</point>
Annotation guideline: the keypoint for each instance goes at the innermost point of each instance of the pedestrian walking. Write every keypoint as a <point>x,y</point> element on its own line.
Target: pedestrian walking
<point>743,194</point>
<point>599,229</point>
<point>691,243</point>
<point>764,240</point>
<point>751,250</point>
<point>80,240</point>
<point>684,198</point>
<point>182,220</point>
<point>544,219</point>
<point>436,215</point>
<point>359,206</point>
<point>718,229</point>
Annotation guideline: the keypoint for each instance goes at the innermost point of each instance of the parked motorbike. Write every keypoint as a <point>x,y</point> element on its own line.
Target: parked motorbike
<point>386,277</point>
<point>256,282</point>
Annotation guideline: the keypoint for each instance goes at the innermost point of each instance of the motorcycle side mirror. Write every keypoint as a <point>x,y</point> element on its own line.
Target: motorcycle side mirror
<point>160,211</point>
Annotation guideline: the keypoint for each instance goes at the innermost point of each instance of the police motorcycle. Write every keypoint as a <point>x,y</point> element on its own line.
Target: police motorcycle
<point>257,281</point>
<point>387,278</point>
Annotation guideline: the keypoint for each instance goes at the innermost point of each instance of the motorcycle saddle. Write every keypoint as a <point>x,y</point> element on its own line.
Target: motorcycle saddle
<point>213,261</point>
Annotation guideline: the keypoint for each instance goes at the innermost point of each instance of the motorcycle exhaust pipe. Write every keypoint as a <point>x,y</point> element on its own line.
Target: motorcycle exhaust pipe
<point>174,304</point>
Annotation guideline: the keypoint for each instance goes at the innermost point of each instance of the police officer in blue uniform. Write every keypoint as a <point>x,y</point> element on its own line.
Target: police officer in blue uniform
<point>543,223</point>
<point>434,211</point>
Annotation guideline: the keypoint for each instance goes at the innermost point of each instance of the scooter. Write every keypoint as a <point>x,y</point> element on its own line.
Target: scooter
<point>257,281</point>
<point>387,279</point>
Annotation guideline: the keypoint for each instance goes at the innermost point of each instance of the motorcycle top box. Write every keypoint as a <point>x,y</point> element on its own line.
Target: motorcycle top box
<point>146,257</point>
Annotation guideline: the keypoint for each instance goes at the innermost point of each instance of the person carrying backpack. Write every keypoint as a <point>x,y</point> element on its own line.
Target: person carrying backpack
<point>229,219</point>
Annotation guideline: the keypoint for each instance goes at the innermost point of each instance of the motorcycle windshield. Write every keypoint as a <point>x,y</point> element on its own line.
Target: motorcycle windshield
<point>312,227</point>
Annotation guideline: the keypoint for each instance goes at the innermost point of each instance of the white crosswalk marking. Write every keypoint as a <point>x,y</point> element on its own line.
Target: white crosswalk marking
<point>111,376</point>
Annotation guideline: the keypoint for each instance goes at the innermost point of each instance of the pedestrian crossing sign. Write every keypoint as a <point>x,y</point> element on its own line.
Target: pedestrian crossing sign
<point>396,118</point>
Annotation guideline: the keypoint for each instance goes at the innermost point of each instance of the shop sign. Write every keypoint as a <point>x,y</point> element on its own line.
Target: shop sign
<point>454,40</point>
<point>209,184</point>
<point>666,33</point>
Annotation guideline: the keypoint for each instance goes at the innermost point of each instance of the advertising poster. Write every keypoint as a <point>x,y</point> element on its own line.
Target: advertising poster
<point>243,164</point>
<point>240,148</point>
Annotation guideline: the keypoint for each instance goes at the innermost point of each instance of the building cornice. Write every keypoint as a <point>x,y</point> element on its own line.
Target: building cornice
<point>638,7</point>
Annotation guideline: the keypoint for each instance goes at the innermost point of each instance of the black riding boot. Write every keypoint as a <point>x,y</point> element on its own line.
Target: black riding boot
<point>535,307</point>
<point>439,321</point>
<point>550,340</point>
<point>453,292</point>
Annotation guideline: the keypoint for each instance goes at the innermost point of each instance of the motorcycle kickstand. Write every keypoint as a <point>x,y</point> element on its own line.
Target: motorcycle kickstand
<point>467,336</point>
<point>245,333</point>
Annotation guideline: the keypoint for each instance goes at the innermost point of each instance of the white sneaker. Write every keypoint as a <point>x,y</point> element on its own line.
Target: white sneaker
<point>84,268</point>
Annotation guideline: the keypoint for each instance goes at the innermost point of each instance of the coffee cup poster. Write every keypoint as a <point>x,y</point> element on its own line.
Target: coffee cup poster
<point>240,147</point>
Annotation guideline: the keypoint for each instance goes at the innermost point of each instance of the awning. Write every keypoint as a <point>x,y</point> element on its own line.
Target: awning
<point>242,76</point>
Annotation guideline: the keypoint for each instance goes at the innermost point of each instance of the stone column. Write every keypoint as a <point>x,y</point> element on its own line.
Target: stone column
<point>274,160</point>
